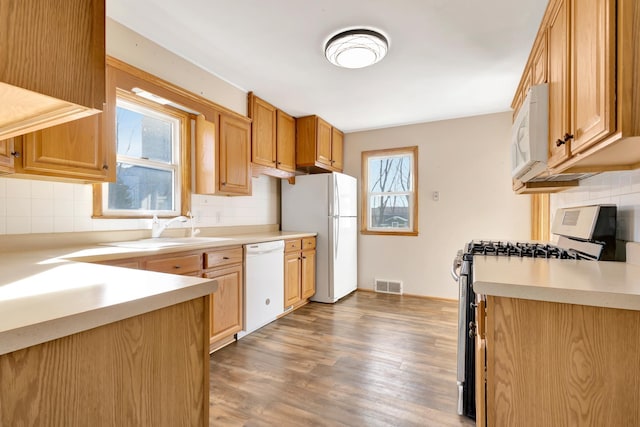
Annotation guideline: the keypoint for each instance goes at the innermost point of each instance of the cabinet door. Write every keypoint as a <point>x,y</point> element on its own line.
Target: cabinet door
<point>286,141</point>
<point>75,150</point>
<point>235,175</point>
<point>308,274</point>
<point>323,142</point>
<point>539,61</point>
<point>558,83</point>
<point>592,71</point>
<point>226,303</point>
<point>263,132</point>
<point>480,365</point>
<point>337,148</point>
<point>291,278</point>
<point>6,158</point>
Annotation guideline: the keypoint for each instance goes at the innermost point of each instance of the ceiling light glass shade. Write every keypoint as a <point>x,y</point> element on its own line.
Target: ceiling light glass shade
<point>356,48</point>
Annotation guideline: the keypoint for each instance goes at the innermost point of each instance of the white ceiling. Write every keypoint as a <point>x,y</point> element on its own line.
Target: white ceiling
<point>447,58</point>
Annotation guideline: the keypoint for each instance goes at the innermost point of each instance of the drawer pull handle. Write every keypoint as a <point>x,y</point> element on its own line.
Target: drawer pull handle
<point>176,267</point>
<point>225,257</point>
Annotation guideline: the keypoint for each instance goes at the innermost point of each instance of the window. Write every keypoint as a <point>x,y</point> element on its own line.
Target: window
<point>389,191</point>
<point>148,177</point>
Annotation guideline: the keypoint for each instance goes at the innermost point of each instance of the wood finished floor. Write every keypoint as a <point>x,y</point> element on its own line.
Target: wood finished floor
<point>369,360</point>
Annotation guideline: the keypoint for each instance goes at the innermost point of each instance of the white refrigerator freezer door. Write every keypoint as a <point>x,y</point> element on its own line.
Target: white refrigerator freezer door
<point>344,255</point>
<point>344,199</point>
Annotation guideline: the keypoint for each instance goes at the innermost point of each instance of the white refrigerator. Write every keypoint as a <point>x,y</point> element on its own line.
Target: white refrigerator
<point>327,204</point>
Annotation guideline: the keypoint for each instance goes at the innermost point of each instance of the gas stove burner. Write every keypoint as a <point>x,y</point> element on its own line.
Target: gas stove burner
<point>522,249</point>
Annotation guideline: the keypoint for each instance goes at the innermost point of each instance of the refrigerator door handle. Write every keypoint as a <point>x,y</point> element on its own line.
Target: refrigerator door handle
<point>336,227</point>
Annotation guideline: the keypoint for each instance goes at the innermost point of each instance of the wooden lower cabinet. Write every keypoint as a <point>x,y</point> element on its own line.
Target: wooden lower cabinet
<point>226,317</point>
<point>146,370</point>
<point>299,271</point>
<point>554,364</point>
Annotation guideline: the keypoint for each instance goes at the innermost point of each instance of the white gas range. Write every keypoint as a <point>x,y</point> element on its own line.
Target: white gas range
<point>583,233</point>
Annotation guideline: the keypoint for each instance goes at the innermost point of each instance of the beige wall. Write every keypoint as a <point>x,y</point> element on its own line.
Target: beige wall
<point>467,162</point>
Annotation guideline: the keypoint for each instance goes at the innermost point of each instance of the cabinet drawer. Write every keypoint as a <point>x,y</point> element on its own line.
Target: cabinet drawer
<point>222,257</point>
<point>292,245</point>
<point>308,243</point>
<point>183,264</point>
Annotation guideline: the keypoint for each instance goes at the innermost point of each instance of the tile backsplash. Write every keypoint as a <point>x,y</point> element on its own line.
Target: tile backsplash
<point>619,188</point>
<point>32,206</point>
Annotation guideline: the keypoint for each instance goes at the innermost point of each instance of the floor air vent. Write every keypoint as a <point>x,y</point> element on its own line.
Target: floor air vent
<point>388,286</point>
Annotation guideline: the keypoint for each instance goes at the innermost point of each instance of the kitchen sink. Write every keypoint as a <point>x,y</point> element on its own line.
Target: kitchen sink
<point>164,242</point>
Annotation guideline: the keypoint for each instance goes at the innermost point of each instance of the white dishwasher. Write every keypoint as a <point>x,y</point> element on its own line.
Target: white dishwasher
<point>264,284</point>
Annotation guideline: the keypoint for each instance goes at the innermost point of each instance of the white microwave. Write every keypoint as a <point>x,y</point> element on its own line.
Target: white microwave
<point>530,134</point>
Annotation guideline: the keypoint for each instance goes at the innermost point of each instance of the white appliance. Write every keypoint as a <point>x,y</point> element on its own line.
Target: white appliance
<point>263,284</point>
<point>530,134</point>
<point>326,204</point>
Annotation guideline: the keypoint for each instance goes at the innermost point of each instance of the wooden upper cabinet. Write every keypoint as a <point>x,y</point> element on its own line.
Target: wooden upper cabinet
<point>323,142</point>
<point>558,34</point>
<point>235,155</point>
<point>263,131</point>
<point>592,71</point>
<point>76,150</point>
<point>285,141</point>
<point>273,134</point>
<point>337,149</point>
<point>53,63</point>
<point>319,146</point>
<point>222,160</point>
<point>6,156</point>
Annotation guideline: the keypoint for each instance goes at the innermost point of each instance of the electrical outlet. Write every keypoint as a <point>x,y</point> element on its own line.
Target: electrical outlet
<point>436,196</point>
<point>217,217</point>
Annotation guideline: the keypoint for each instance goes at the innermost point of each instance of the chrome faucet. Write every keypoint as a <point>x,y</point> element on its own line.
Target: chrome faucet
<point>157,228</point>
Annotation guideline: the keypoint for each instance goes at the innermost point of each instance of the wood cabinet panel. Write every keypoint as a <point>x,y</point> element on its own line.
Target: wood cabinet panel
<point>323,142</point>
<point>592,71</point>
<point>315,151</point>
<point>53,49</point>
<point>299,271</point>
<point>291,279</point>
<point>263,131</point>
<point>6,158</point>
<point>222,156</point>
<point>539,61</point>
<point>221,257</point>
<point>150,370</point>
<point>235,156</point>
<point>75,150</point>
<point>558,34</point>
<point>177,264</point>
<point>337,149</point>
<point>561,364</point>
<point>226,316</point>
<point>286,141</point>
<point>308,274</point>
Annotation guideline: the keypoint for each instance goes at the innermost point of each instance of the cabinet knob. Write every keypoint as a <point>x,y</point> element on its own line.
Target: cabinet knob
<point>15,154</point>
<point>105,167</point>
<point>560,142</point>
<point>223,183</point>
<point>568,137</point>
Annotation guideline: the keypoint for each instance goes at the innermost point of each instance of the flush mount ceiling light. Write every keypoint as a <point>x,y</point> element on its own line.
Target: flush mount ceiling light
<point>356,48</point>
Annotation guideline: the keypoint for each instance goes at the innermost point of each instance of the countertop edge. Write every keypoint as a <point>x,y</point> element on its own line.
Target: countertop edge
<point>562,296</point>
<point>38,333</point>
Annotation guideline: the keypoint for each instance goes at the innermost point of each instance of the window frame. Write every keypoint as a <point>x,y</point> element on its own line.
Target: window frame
<point>181,121</point>
<point>121,79</point>
<point>365,194</point>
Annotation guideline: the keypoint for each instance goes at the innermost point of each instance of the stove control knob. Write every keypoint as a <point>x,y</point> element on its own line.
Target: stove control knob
<point>472,329</point>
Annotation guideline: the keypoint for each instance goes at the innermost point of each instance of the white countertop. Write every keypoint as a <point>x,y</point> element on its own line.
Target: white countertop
<point>50,293</point>
<point>595,283</point>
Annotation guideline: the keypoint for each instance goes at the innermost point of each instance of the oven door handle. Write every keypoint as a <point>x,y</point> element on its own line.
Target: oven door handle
<point>457,262</point>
